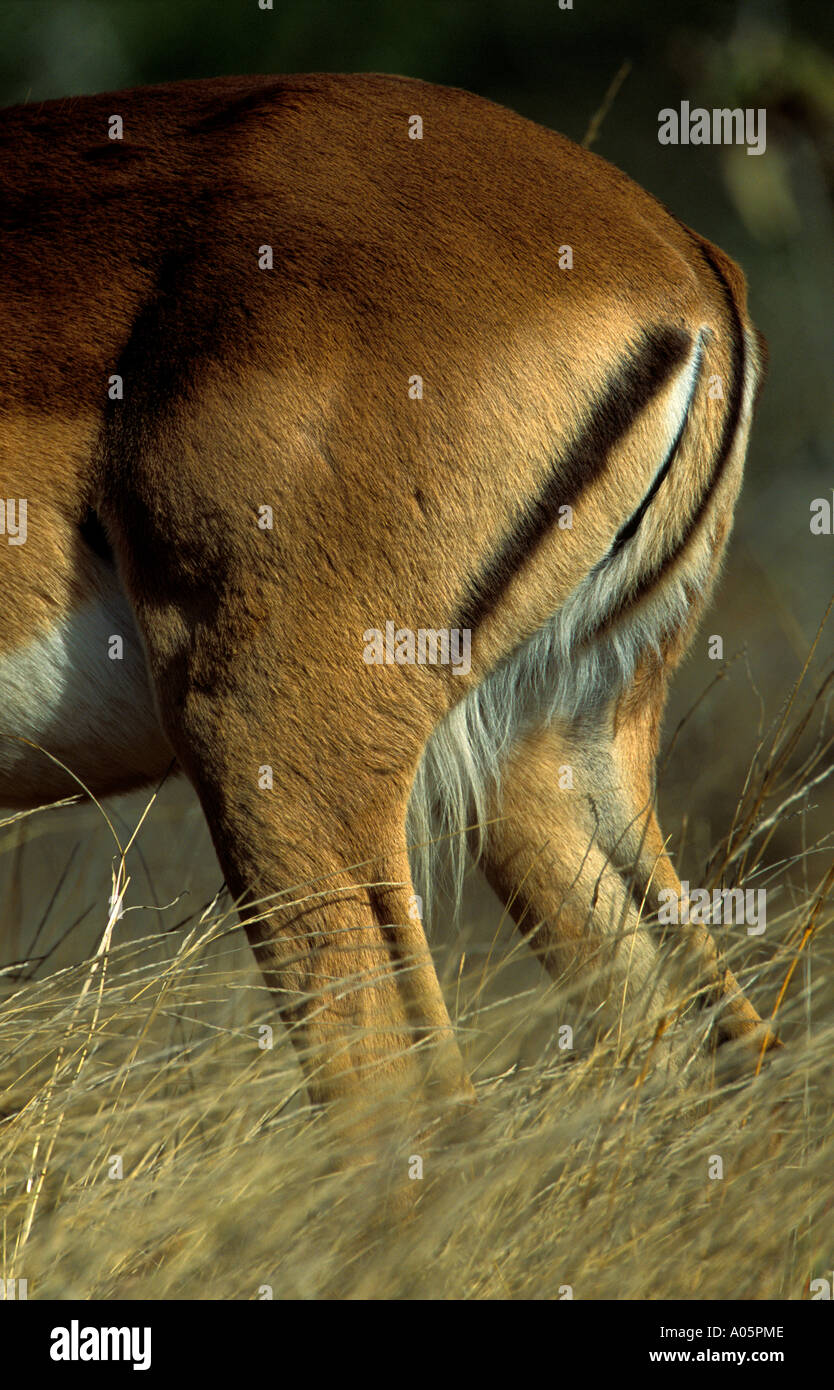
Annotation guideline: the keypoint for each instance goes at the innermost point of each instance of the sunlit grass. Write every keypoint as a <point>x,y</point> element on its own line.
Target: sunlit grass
<point>152,1147</point>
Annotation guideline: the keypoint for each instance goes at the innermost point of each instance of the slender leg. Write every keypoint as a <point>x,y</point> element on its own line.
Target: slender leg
<point>352,974</point>
<point>579,868</point>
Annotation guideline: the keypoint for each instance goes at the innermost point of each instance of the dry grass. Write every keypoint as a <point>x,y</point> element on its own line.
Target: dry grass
<point>586,1169</point>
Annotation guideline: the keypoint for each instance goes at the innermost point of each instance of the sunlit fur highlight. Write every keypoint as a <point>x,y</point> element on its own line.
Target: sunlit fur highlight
<point>569,667</point>
<point>561,671</point>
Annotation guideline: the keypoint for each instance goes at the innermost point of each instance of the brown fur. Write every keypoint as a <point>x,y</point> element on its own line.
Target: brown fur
<point>288,387</point>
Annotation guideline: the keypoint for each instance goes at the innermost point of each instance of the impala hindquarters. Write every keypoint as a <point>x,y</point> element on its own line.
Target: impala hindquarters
<point>283,381</point>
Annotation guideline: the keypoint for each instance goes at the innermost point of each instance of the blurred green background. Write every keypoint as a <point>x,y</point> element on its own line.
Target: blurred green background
<point>772,213</point>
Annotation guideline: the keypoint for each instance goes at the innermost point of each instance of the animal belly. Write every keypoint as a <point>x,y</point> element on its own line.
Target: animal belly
<point>80,691</point>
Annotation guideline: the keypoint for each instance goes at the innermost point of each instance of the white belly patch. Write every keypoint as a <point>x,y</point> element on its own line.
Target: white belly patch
<point>80,691</point>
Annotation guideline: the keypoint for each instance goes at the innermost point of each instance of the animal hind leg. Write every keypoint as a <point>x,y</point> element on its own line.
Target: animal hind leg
<point>580,869</point>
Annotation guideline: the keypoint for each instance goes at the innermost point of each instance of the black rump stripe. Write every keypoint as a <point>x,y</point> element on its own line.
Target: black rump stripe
<point>628,389</point>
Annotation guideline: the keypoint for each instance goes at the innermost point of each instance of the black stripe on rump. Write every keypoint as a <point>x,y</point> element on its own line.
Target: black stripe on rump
<point>628,529</point>
<point>627,391</point>
<point>652,577</point>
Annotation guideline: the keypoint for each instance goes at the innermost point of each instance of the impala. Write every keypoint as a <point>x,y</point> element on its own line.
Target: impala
<point>296,375</point>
